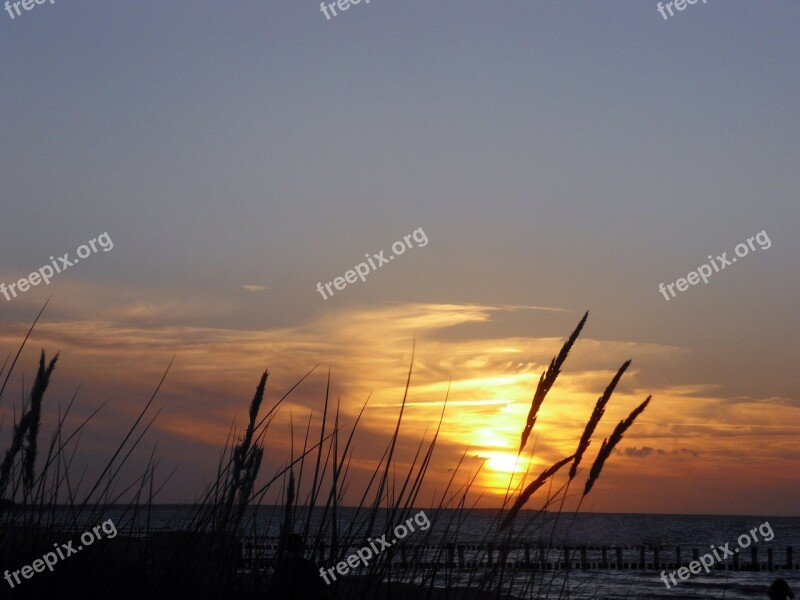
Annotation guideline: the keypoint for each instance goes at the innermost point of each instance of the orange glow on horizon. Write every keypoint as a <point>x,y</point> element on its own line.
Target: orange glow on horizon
<point>690,428</point>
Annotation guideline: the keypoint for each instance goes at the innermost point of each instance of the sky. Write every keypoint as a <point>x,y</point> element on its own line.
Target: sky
<point>557,156</point>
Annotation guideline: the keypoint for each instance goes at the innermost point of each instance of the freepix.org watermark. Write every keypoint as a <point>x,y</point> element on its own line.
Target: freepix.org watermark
<point>365,554</point>
<point>704,271</point>
<point>47,272</point>
<point>679,5</point>
<point>26,4</point>
<point>361,270</point>
<point>342,4</point>
<point>49,559</point>
<point>707,560</point>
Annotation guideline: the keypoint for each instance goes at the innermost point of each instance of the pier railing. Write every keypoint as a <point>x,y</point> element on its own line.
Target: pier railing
<point>539,557</point>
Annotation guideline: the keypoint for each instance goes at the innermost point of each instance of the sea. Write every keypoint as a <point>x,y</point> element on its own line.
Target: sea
<point>471,529</point>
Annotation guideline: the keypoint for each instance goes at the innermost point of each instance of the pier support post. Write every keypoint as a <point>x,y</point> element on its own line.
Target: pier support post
<point>503,554</point>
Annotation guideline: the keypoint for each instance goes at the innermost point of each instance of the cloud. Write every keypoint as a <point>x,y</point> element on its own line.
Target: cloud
<point>254,288</point>
<point>687,451</point>
<point>648,450</point>
<point>119,343</point>
<point>638,452</point>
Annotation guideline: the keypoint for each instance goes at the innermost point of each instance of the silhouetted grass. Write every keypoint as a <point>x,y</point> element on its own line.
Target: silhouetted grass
<point>204,559</point>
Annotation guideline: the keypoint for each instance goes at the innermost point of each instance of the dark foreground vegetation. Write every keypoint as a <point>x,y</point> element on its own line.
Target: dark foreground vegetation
<point>38,486</point>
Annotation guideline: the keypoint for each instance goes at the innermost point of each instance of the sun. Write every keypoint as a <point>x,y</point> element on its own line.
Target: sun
<point>504,462</point>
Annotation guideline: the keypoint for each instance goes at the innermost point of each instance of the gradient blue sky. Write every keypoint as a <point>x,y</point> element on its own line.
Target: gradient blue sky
<point>567,155</point>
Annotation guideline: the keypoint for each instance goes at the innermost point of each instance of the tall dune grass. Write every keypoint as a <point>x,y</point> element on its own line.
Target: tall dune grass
<point>204,560</point>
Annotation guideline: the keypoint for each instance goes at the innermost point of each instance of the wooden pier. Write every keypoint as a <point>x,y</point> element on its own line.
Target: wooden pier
<point>539,557</point>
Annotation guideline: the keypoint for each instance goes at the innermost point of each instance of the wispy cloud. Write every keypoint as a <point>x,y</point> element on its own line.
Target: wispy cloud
<point>121,348</point>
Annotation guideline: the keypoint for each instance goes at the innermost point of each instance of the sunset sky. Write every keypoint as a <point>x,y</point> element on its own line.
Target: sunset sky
<point>560,157</point>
